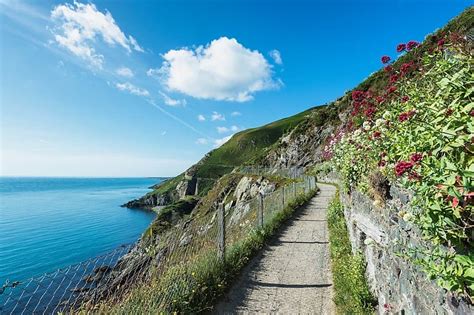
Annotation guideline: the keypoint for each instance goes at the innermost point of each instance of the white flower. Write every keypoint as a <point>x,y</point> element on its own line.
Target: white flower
<point>379,122</point>
<point>357,132</point>
<point>386,115</point>
<point>366,125</point>
<point>407,216</point>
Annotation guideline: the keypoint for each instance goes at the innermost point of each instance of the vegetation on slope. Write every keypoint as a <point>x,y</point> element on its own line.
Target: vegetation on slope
<point>351,292</point>
<point>418,133</point>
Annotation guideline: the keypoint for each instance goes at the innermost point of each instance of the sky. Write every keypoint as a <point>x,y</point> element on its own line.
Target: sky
<point>146,88</point>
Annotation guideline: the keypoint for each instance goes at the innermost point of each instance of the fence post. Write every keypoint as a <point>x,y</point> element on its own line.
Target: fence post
<point>221,232</point>
<point>283,197</point>
<point>260,210</point>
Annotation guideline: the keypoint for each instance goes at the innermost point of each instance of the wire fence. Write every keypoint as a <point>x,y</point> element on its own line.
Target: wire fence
<point>161,271</point>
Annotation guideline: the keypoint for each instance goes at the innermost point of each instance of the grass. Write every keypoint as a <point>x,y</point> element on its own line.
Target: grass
<point>351,291</point>
<point>195,286</point>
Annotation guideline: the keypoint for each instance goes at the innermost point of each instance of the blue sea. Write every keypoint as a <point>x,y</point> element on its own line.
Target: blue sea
<point>50,223</point>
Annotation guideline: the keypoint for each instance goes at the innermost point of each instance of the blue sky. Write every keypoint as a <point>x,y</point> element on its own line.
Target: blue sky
<point>146,88</point>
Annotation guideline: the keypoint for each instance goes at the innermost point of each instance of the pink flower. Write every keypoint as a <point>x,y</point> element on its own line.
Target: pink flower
<point>402,167</point>
<point>358,95</point>
<point>416,157</point>
<point>388,68</point>
<point>393,78</point>
<point>385,59</point>
<point>406,115</point>
<point>405,99</point>
<point>391,89</point>
<point>412,44</point>
<point>401,47</point>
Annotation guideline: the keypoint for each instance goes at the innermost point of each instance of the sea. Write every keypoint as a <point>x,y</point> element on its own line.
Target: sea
<point>51,223</point>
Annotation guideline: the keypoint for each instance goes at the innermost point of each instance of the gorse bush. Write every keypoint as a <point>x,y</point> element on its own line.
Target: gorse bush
<point>419,133</point>
<point>351,292</point>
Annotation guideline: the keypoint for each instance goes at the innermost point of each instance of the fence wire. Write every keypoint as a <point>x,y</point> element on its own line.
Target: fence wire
<point>159,270</point>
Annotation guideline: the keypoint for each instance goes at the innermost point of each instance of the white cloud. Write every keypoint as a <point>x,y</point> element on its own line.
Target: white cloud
<point>227,129</point>
<point>233,114</point>
<point>217,116</point>
<point>172,102</point>
<point>127,86</point>
<point>201,117</point>
<point>125,72</point>
<point>219,142</point>
<point>201,141</point>
<point>79,26</point>
<point>276,56</point>
<point>222,70</point>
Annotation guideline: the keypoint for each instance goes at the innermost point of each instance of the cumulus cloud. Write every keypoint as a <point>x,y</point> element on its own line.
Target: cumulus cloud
<point>233,114</point>
<point>171,101</point>
<point>128,87</point>
<point>219,142</point>
<point>125,72</point>
<point>217,116</point>
<point>223,70</point>
<point>276,56</point>
<point>201,141</point>
<point>201,117</point>
<point>79,26</point>
<point>227,129</point>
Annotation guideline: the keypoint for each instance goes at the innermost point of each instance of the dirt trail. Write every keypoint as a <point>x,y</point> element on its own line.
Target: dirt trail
<point>292,275</point>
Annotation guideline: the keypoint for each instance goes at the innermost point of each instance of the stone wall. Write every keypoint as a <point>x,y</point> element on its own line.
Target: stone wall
<point>379,233</point>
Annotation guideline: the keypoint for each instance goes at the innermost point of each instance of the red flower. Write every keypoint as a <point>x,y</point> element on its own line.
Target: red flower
<point>416,157</point>
<point>441,43</point>
<point>455,202</point>
<point>401,47</point>
<point>391,89</point>
<point>471,113</point>
<point>382,163</point>
<point>370,111</point>
<point>448,112</point>
<point>405,99</point>
<point>406,67</point>
<point>406,115</point>
<point>388,68</point>
<point>385,59</point>
<point>402,167</point>
<point>412,44</point>
<point>358,95</point>
<point>376,134</point>
<point>393,78</point>
<point>379,99</point>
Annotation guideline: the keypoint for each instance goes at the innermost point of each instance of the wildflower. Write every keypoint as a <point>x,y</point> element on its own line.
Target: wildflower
<point>386,115</point>
<point>369,112</point>
<point>379,122</point>
<point>455,202</point>
<point>402,167</point>
<point>401,47</point>
<point>441,43</point>
<point>366,125</point>
<point>412,44</point>
<point>405,99</point>
<point>416,157</point>
<point>406,67</point>
<point>406,115</point>
<point>385,59</point>
<point>376,134</point>
<point>407,216</point>
<point>388,68</point>
<point>382,163</point>
<point>391,89</point>
<point>393,78</point>
<point>357,132</point>
<point>448,112</point>
<point>358,95</point>
<point>471,113</point>
<point>380,99</point>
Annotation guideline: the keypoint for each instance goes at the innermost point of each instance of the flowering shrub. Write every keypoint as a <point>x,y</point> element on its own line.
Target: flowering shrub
<point>419,134</point>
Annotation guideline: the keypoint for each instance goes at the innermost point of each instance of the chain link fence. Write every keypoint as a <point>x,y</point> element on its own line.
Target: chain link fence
<point>161,270</point>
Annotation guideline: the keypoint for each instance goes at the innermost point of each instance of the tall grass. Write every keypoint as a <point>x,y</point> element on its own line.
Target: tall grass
<point>351,291</point>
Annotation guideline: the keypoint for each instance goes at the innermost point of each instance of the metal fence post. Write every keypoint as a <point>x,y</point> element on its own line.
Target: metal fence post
<point>260,211</point>
<point>283,197</point>
<point>221,232</point>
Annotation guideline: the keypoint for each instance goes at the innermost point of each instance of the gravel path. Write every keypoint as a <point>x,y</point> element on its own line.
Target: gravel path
<point>292,275</point>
